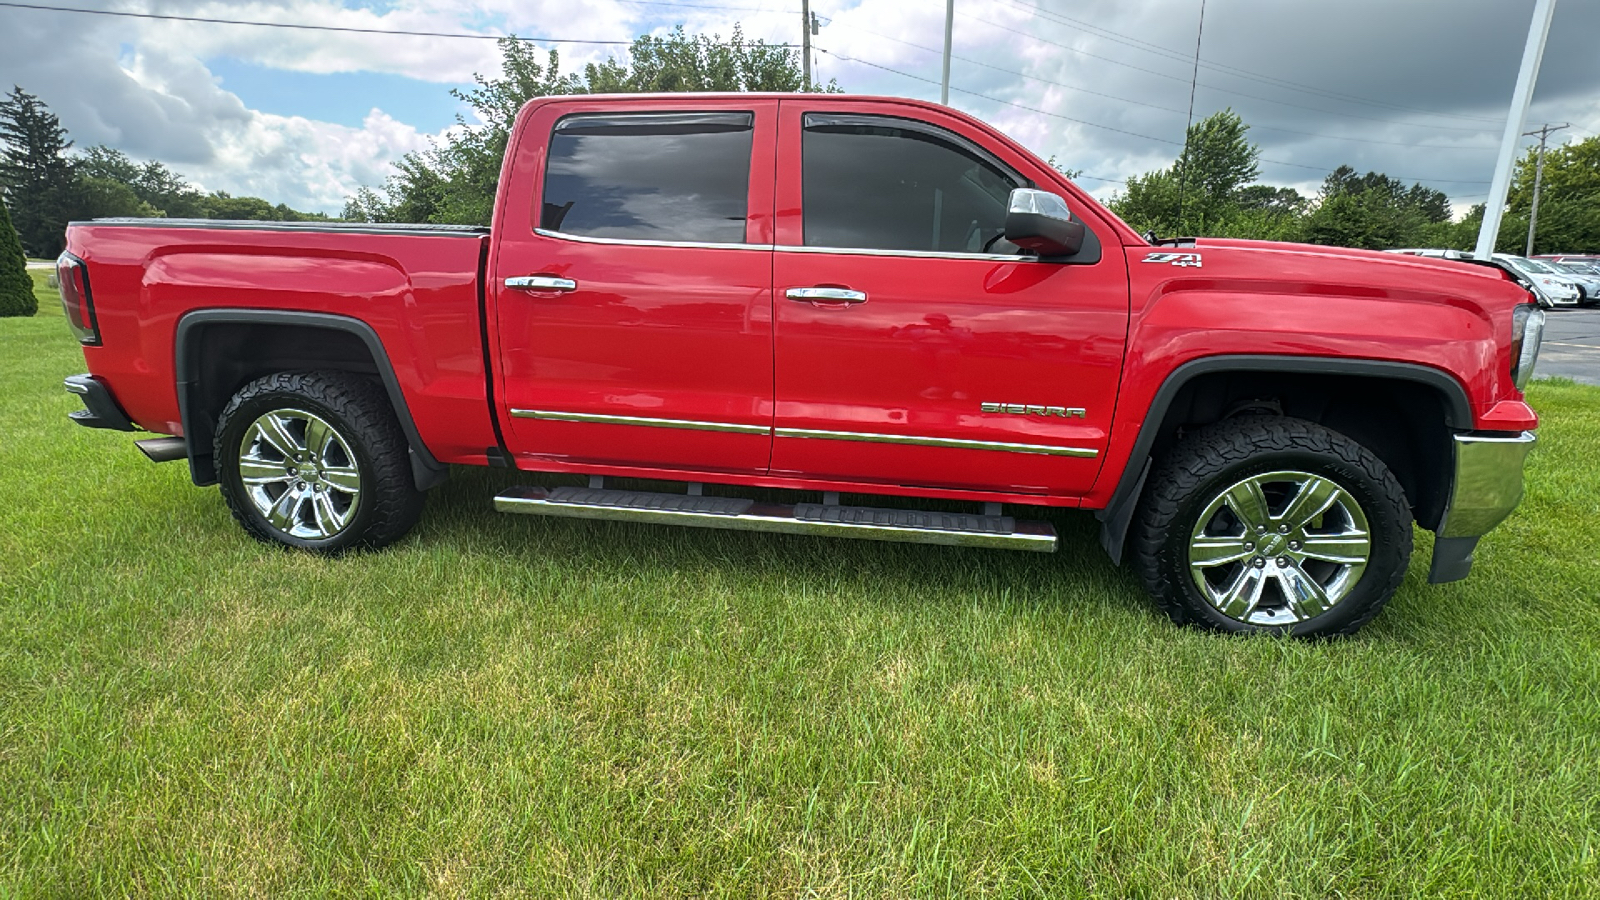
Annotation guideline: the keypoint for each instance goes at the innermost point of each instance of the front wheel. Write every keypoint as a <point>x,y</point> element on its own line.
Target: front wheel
<point>1273,524</point>
<point>317,461</point>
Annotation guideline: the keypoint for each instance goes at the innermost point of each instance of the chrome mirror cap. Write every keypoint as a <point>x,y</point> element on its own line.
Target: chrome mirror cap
<point>1039,221</point>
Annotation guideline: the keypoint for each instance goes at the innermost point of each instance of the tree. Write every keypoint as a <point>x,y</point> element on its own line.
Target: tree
<point>1377,212</point>
<point>164,191</point>
<point>16,288</point>
<point>455,182</point>
<point>36,176</point>
<point>1201,189</point>
<point>1569,201</point>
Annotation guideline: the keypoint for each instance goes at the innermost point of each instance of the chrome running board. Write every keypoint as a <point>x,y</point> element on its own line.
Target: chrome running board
<point>911,526</point>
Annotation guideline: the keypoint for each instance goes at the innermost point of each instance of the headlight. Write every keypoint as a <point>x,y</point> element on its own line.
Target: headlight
<point>1527,331</point>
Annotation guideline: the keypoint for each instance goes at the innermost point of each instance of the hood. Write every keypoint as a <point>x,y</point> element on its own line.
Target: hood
<point>1306,270</point>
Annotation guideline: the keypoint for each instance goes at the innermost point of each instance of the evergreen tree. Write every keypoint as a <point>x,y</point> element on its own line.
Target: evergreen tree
<point>36,176</point>
<point>16,288</point>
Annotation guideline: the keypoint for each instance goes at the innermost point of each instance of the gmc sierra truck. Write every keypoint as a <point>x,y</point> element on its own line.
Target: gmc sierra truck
<point>830,295</point>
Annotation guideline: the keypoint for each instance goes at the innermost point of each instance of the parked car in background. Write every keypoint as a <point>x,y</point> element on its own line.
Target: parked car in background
<point>1588,276</point>
<point>1587,259</point>
<point>1550,289</point>
<point>1549,278</point>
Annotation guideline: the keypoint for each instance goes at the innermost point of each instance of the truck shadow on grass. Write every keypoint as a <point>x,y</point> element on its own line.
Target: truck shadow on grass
<point>460,516</point>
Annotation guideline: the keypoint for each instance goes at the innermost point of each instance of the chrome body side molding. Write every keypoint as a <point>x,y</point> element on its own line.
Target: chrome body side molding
<point>643,421</point>
<point>867,437</point>
<point>954,443</point>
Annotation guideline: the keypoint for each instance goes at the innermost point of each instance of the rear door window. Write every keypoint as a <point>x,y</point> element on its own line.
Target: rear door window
<point>650,176</point>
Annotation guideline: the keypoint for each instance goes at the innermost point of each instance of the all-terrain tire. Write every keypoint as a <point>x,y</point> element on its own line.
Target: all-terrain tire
<point>364,473</point>
<point>1195,478</point>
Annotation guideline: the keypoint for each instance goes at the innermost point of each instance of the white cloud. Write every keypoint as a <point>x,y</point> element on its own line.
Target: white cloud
<point>1419,95</point>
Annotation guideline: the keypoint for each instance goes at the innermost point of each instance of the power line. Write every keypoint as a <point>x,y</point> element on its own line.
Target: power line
<point>754,9</point>
<point>1235,71</point>
<point>338,28</point>
<point>1129,100</point>
<point>1148,137</point>
<point>1118,62</point>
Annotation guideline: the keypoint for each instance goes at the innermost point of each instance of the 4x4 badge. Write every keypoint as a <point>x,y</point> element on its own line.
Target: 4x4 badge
<point>1176,259</point>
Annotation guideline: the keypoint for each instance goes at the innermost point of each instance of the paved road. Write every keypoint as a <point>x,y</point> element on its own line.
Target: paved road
<point>40,265</point>
<point>1571,345</point>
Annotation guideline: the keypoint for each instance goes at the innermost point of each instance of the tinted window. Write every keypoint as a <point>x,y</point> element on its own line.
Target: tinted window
<point>662,177</point>
<point>888,184</point>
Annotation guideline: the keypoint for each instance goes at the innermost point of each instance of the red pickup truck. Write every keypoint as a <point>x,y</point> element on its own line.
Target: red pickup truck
<point>833,295</point>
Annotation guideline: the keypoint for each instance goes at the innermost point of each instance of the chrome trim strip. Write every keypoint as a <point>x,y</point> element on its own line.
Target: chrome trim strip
<point>645,421</point>
<point>1025,535</point>
<point>953,443</point>
<point>780,248</point>
<point>640,242</point>
<point>737,428</point>
<point>74,387</point>
<point>920,254</point>
<point>1487,484</point>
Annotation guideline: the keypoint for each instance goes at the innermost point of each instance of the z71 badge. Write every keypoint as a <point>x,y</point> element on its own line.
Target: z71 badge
<point>1177,259</point>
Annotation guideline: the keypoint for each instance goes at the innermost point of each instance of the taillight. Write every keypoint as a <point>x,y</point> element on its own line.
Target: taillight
<point>76,300</point>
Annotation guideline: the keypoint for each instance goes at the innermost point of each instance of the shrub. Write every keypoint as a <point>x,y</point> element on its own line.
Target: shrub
<point>16,288</point>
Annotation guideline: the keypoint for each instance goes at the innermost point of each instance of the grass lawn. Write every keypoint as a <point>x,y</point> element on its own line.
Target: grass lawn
<point>514,706</point>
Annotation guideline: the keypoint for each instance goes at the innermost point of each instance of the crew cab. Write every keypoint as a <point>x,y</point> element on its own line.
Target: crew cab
<point>828,295</point>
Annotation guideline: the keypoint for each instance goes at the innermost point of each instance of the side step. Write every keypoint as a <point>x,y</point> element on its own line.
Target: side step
<point>912,526</point>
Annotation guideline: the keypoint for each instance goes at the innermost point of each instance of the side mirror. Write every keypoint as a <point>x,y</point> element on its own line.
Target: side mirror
<point>1039,221</point>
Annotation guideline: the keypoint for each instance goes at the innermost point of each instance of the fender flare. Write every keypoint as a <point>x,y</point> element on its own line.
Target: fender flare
<point>426,470</point>
<point>1117,515</point>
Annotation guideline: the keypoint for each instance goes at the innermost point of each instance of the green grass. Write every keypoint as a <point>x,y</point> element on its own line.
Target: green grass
<point>49,298</point>
<point>511,706</point>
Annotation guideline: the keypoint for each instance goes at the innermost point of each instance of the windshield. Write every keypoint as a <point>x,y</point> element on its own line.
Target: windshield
<point>1532,266</point>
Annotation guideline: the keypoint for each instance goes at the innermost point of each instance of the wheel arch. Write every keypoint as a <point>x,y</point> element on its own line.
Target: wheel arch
<point>1327,390</point>
<point>217,351</point>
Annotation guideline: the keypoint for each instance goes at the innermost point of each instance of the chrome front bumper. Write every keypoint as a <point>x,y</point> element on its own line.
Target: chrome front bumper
<point>1487,486</point>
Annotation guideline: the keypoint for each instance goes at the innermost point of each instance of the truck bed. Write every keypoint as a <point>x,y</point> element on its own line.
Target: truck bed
<point>417,287</point>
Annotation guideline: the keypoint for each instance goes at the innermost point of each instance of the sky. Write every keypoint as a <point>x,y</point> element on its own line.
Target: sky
<point>1417,89</point>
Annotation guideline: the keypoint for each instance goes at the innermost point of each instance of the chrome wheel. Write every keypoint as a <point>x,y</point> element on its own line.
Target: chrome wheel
<point>1279,548</point>
<point>299,474</point>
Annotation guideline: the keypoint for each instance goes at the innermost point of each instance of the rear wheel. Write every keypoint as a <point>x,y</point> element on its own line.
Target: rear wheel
<point>1273,524</point>
<point>316,460</point>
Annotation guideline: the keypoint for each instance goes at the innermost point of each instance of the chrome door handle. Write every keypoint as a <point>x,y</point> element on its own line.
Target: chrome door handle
<point>541,283</point>
<point>825,295</point>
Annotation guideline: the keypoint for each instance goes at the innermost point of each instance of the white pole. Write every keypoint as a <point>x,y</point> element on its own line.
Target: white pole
<point>949,23</point>
<point>1494,207</point>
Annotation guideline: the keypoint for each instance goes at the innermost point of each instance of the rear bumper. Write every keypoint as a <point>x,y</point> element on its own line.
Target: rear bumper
<point>1487,486</point>
<point>100,408</point>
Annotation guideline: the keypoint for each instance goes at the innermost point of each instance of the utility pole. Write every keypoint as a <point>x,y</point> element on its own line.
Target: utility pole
<point>1495,206</point>
<point>949,25</point>
<point>805,40</point>
<point>1538,176</point>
